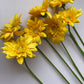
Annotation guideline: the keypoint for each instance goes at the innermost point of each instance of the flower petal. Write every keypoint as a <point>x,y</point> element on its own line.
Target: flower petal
<point>20,60</point>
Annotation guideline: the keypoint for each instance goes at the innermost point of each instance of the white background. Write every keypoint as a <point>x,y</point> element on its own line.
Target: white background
<point>12,73</point>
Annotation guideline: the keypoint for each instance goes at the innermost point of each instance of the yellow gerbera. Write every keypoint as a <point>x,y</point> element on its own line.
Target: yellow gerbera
<point>70,15</point>
<point>12,28</point>
<point>35,29</point>
<point>41,10</point>
<point>56,29</point>
<point>20,49</point>
<point>54,3</point>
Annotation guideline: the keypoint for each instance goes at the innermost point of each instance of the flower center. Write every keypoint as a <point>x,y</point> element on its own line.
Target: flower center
<point>68,18</point>
<point>19,48</point>
<point>54,29</point>
<point>35,31</point>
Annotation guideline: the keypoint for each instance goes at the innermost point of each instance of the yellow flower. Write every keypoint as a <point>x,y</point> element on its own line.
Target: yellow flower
<point>35,29</point>
<point>70,16</point>
<point>12,28</point>
<point>21,48</point>
<point>56,29</point>
<point>54,3</point>
<point>41,10</point>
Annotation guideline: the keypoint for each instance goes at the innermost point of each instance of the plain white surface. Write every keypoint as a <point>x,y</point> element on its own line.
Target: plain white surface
<point>12,73</point>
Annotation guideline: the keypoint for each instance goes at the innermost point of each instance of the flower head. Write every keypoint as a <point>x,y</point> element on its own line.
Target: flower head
<point>41,10</point>
<point>35,29</point>
<point>55,3</point>
<point>12,28</point>
<point>70,16</point>
<point>21,48</point>
<point>56,29</point>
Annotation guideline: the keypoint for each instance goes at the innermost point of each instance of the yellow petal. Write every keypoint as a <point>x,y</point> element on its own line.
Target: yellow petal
<point>71,24</point>
<point>38,39</point>
<point>29,39</point>
<point>42,34</point>
<point>32,45</point>
<point>45,4</point>
<point>42,13</point>
<point>49,14</point>
<point>77,21</point>
<point>19,33</point>
<point>7,25</point>
<point>10,57</point>
<point>20,60</point>
<point>6,35</point>
<point>30,55</point>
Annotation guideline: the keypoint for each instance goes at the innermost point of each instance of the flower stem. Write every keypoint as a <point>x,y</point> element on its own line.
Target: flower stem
<point>32,72</point>
<point>72,61</point>
<point>63,60</point>
<point>73,38</point>
<point>78,35</point>
<point>53,65</point>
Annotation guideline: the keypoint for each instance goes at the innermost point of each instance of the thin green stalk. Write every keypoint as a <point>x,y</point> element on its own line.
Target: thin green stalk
<point>63,60</point>
<point>32,72</point>
<point>53,65</point>
<point>78,35</point>
<point>73,38</point>
<point>72,61</point>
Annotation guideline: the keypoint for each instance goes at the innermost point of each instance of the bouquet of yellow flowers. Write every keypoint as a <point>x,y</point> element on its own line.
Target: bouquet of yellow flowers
<point>21,44</point>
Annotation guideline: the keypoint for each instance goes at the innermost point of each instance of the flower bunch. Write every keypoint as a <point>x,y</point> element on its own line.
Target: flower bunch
<point>41,24</point>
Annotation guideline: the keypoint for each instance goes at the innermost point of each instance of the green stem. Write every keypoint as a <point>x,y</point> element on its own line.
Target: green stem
<point>63,60</point>
<point>53,65</point>
<point>32,72</point>
<point>73,38</point>
<point>78,35</point>
<point>73,61</point>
